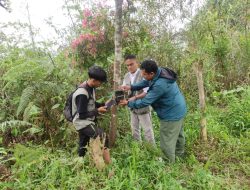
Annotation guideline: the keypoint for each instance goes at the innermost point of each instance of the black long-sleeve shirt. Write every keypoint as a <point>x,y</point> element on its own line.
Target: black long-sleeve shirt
<point>82,105</point>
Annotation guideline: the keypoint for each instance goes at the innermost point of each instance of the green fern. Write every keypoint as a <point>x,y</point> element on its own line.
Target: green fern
<point>26,97</point>
<point>28,69</point>
<point>27,155</point>
<point>50,86</point>
<point>27,111</point>
<point>7,86</point>
<point>30,110</point>
<point>33,130</point>
<point>13,124</point>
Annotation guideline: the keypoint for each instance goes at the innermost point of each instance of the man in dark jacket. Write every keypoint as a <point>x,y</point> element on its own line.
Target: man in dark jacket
<point>167,100</point>
<point>87,109</point>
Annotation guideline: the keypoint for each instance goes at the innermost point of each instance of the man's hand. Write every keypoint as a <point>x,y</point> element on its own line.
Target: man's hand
<point>102,109</point>
<point>125,88</point>
<point>108,101</point>
<point>132,99</point>
<point>123,102</point>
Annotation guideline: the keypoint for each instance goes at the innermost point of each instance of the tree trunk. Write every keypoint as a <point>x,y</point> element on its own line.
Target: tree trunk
<point>198,71</point>
<point>117,67</point>
<point>30,28</point>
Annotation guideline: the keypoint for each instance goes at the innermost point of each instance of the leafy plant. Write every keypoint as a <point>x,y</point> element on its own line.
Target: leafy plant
<point>237,116</point>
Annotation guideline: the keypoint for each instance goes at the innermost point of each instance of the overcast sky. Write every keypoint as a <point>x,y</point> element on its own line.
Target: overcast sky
<point>39,11</point>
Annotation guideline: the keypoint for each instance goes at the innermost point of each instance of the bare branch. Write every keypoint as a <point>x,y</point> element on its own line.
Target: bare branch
<point>5,4</point>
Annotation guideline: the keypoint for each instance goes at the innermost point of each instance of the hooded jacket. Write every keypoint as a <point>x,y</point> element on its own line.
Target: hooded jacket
<point>163,95</point>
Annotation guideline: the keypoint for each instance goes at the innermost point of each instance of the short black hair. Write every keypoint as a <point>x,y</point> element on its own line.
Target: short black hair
<point>149,66</point>
<point>97,73</point>
<point>131,56</point>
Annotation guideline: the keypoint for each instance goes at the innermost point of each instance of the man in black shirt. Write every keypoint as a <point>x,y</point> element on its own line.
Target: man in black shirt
<point>87,109</point>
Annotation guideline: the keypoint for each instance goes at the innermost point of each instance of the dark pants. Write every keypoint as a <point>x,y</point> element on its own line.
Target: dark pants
<point>84,137</point>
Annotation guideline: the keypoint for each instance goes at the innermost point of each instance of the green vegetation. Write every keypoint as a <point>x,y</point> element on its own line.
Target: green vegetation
<point>38,148</point>
<point>221,164</point>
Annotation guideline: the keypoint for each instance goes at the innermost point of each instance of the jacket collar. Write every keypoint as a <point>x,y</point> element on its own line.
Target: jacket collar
<point>157,75</point>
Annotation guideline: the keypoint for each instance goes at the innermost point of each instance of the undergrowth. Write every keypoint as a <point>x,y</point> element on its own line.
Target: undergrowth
<point>222,163</point>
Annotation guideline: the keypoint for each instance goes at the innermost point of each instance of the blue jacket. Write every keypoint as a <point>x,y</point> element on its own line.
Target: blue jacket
<point>163,95</point>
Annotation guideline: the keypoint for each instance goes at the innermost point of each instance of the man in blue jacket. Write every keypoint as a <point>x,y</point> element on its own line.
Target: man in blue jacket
<point>167,100</point>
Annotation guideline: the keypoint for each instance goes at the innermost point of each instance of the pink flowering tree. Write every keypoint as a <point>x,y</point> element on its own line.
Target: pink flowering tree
<point>95,43</point>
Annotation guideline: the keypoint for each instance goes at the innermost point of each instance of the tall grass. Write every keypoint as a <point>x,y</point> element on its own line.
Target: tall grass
<point>222,163</point>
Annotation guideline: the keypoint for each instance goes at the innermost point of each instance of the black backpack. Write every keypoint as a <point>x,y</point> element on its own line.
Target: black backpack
<point>67,111</point>
<point>168,74</point>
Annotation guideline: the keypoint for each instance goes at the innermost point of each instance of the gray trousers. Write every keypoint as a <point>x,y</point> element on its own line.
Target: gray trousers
<point>172,140</point>
<point>142,121</point>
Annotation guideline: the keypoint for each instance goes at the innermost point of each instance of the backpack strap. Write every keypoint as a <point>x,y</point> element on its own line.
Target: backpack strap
<point>81,89</point>
<point>78,91</point>
<point>84,85</point>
